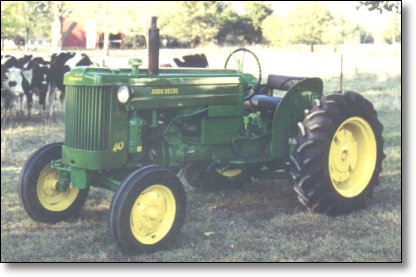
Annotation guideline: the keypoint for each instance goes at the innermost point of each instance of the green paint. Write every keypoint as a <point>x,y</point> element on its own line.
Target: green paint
<point>225,110</point>
<point>63,181</point>
<point>289,112</point>
<point>218,130</point>
<point>80,178</point>
<point>178,116</point>
<point>135,63</point>
<point>135,134</point>
<point>96,128</point>
<point>109,183</point>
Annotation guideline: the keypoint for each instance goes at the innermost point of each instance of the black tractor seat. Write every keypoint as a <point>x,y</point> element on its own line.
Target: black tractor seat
<point>265,104</point>
<point>281,82</point>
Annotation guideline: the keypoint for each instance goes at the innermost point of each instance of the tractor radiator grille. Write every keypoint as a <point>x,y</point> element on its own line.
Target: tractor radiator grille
<point>87,117</point>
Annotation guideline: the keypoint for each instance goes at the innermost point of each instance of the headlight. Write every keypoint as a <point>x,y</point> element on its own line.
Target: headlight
<point>123,94</point>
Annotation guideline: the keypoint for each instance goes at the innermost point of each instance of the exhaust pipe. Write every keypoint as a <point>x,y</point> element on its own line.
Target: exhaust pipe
<point>153,67</point>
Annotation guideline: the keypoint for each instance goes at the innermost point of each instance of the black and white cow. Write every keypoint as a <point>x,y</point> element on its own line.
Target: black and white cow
<point>12,90</point>
<point>35,81</point>
<point>24,76</point>
<point>60,64</point>
<point>11,81</point>
<point>8,61</point>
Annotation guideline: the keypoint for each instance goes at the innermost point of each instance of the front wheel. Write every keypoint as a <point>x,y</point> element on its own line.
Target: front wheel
<point>147,210</point>
<point>38,191</point>
<point>339,154</point>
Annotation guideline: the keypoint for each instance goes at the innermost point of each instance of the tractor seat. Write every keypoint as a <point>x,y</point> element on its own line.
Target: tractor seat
<point>265,104</point>
<point>280,82</point>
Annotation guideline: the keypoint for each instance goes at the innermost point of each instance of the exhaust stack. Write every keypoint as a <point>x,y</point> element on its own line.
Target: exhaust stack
<point>153,67</point>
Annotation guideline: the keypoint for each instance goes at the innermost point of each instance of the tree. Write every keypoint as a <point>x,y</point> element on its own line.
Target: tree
<point>24,19</point>
<point>366,37</point>
<point>392,33</point>
<point>380,6</point>
<point>308,22</point>
<point>340,31</point>
<point>257,11</point>
<point>237,30</point>
<point>59,12</point>
<point>139,15</point>
<point>196,22</point>
<point>276,30</point>
<point>10,21</point>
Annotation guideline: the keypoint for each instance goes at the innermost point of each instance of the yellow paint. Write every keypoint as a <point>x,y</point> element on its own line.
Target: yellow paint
<point>164,91</point>
<point>153,214</point>
<point>352,157</point>
<point>230,173</point>
<point>49,197</point>
<point>118,146</point>
<point>75,78</point>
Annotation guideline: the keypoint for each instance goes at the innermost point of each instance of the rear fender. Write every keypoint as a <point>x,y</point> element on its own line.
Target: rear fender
<point>289,112</point>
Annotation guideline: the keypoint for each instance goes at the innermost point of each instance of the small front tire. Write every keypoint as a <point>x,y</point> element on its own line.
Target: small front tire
<point>37,188</point>
<point>148,210</point>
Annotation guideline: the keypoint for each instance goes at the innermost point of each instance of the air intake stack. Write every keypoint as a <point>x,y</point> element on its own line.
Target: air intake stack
<point>153,67</point>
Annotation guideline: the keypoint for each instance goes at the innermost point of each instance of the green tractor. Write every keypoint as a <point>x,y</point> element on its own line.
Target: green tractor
<point>133,130</point>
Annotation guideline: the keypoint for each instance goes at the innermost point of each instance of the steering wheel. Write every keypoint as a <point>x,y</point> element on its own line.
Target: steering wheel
<point>236,60</point>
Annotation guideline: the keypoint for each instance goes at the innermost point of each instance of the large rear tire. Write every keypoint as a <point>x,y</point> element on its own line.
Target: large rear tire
<point>38,192</point>
<point>339,153</point>
<point>148,210</point>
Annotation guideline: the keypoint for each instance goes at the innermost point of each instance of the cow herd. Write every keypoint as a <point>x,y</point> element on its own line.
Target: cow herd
<point>25,76</point>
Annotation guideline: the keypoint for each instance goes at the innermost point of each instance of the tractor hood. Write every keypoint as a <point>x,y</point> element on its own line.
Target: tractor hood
<point>170,88</point>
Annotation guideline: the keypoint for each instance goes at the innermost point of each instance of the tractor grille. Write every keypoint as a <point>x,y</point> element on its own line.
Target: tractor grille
<point>87,117</point>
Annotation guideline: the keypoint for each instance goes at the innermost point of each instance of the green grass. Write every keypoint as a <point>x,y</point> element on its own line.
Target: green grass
<point>262,221</point>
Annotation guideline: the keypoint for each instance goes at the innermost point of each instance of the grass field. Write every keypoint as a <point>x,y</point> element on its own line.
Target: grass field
<point>260,222</point>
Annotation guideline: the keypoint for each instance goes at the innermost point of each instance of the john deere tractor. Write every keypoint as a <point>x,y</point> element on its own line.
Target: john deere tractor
<point>133,130</point>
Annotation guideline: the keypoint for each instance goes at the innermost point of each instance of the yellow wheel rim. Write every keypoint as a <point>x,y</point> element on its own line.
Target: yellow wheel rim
<point>352,157</point>
<point>49,197</point>
<point>153,214</point>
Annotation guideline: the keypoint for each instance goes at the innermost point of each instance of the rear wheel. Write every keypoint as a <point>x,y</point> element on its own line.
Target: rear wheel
<point>339,154</point>
<point>38,190</point>
<point>147,210</point>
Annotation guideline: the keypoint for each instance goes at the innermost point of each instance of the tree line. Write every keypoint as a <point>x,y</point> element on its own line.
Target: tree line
<point>193,23</point>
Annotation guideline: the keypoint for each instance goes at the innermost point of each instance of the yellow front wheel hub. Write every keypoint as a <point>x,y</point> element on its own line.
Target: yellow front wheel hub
<point>49,197</point>
<point>352,157</point>
<point>153,214</point>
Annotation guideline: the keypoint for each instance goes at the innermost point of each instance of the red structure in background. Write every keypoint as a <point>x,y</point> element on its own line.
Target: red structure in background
<point>76,39</point>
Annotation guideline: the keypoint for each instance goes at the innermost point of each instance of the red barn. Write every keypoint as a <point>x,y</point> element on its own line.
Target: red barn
<point>89,37</point>
<point>76,39</point>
